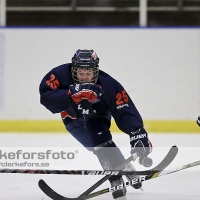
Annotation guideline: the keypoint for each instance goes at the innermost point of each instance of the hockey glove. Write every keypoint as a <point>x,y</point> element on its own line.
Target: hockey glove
<point>88,91</point>
<point>198,120</point>
<point>140,144</point>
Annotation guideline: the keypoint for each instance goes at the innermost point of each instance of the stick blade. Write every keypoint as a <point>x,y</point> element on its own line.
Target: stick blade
<point>52,194</point>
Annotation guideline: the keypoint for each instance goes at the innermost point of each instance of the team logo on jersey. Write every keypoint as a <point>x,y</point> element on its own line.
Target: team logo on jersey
<point>84,111</point>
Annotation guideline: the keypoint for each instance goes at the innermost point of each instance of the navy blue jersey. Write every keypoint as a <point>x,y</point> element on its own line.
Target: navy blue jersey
<point>114,102</point>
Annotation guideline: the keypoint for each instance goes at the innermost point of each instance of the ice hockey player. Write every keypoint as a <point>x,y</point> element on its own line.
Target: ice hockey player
<point>87,97</point>
<point>198,120</point>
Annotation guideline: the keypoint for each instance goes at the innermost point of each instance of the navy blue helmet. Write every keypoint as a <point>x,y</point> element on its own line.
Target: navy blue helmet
<point>85,60</point>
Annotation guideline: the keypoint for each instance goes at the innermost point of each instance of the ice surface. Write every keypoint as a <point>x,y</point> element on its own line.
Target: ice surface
<point>178,186</point>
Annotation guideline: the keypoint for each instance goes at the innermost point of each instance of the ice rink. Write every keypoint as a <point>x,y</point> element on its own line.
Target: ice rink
<point>177,186</point>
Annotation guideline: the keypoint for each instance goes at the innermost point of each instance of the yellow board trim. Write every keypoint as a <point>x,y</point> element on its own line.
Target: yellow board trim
<point>178,126</point>
<point>163,126</point>
<point>32,126</point>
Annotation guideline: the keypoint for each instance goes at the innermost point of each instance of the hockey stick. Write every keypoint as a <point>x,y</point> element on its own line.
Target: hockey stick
<point>163,164</point>
<point>135,181</point>
<point>57,196</point>
<point>83,172</point>
<point>80,172</point>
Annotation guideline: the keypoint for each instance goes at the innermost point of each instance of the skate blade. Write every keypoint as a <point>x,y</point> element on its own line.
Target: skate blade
<point>141,189</point>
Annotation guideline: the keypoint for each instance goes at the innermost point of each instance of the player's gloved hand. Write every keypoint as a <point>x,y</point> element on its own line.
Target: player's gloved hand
<point>198,121</point>
<point>88,91</point>
<point>140,144</point>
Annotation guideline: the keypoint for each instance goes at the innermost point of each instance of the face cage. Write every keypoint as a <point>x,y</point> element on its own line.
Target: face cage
<point>75,78</point>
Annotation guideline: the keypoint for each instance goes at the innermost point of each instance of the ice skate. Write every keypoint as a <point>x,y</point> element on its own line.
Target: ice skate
<point>119,194</point>
<point>129,167</point>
